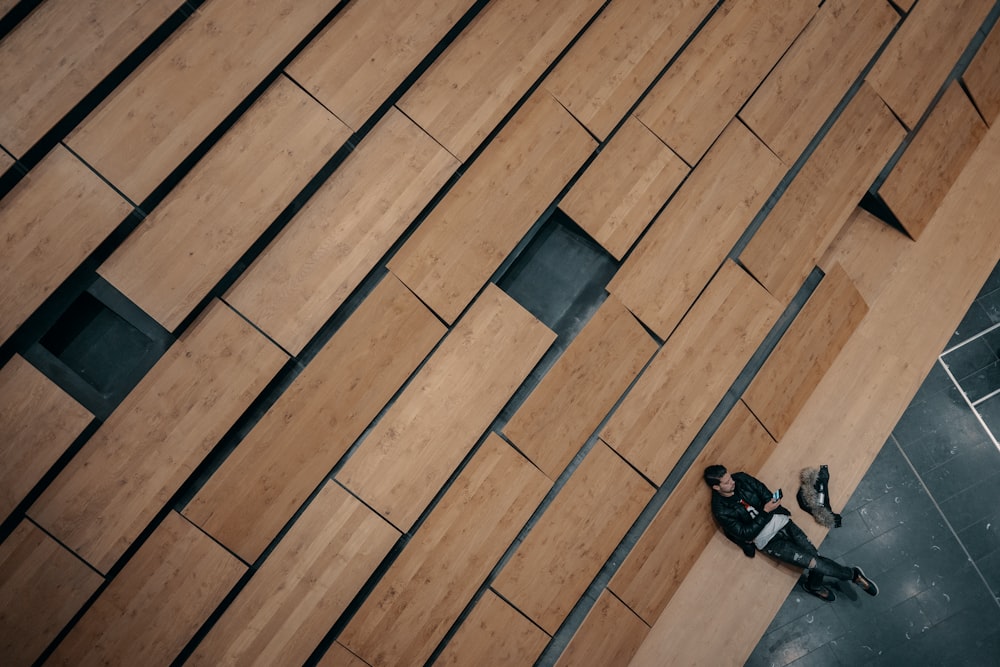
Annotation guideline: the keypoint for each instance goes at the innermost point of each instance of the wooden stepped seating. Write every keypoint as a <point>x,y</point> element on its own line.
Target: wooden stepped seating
<point>124,475</point>
<point>369,48</point>
<point>445,409</point>
<point>435,577</point>
<point>921,55</point>
<point>38,422</point>
<point>50,222</point>
<point>291,602</point>
<point>610,635</point>
<point>812,77</point>
<point>810,213</point>
<point>297,443</point>
<point>494,633</point>
<point>670,402</point>
<point>480,77</point>
<point>619,56</point>
<point>58,53</point>
<point>180,94</point>
<point>904,5</point>
<point>982,77</point>
<point>149,612</point>
<point>6,162</point>
<point>481,219</point>
<point>676,258</point>
<point>338,656</point>
<point>713,77</point>
<point>206,223</point>
<point>42,586</point>
<point>342,232</point>
<point>7,5</point>
<point>868,250</point>
<point>623,188</point>
<point>581,388</point>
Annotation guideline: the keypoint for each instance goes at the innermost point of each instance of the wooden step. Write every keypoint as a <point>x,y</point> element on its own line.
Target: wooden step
<point>982,77</point>
<point>610,635</point>
<point>494,633</point>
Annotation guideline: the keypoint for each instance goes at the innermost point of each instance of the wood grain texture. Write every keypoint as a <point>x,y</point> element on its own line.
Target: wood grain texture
<point>867,249</point>
<point>982,77</point>
<point>6,161</point>
<point>338,656</point>
<point>609,635</point>
<point>492,635</point>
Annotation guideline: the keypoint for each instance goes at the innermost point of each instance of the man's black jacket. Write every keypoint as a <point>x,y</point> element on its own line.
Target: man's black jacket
<point>737,521</point>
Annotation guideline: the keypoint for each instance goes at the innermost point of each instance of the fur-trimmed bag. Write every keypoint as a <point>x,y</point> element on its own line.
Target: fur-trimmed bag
<point>814,496</point>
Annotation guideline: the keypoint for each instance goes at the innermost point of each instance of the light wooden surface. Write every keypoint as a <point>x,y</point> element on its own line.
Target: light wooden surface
<point>676,258</point>
<point>982,77</point>
<point>905,5</point>
<point>469,89</point>
<point>823,195</point>
<point>809,81</point>
<point>49,223</point>
<point>142,131</point>
<point>434,578</point>
<point>342,232</point>
<point>494,634</point>
<point>59,53</point>
<point>619,56</point>
<point>573,539</point>
<point>437,419</point>
<point>481,219</point>
<point>7,5</point>
<point>6,161</point>
<point>110,491</point>
<point>203,227</point>
<point>867,249</point>
<point>338,656</point>
<point>157,602</point>
<point>915,64</point>
<point>719,70</point>
<point>580,389</point>
<point>290,603</point>
<point>369,49</point>
<point>624,187</point>
<point>260,486</point>
<point>42,586</point>
<point>610,635</point>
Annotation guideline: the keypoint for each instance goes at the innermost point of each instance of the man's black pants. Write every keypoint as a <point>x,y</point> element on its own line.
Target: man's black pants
<point>791,545</point>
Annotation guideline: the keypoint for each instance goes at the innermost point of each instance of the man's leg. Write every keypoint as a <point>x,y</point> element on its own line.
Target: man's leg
<point>821,566</point>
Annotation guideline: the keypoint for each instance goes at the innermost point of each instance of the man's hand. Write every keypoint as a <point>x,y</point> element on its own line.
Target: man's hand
<point>771,505</point>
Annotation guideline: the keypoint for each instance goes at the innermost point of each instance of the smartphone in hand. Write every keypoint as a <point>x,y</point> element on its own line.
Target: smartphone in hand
<point>776,496</point>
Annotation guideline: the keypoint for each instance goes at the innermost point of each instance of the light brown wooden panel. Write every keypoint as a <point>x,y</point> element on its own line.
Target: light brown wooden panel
<point>59,53</point>
<point>418,443</point>
<point>469,89</point>
<point>7,5</point>
<point>577,393</point>
<point>49,223</point>
<point>435,577</point>
<point>717,72</point>
<point>481,219</point>
<point>153,607</point>
<point>143,130</point>
<point>982,77</point>
<point>573,539</point>
<point>867,248</point>
<point>42,586</point>
<point>338,656</point>
<point>621,191</point>
<point>676,258</point>
<point>905,5</point>
<point>369,49</point>
<point>290,603</point>
<point>823,194</point>
<point>299,440</point>
<point>809,81</point>
<point>610,635</point>
<point>677,392</point>
<point>915,64</point>
<point>191,239</point>
<point>6,162</point>
<point>110,491</point>
<point>618,57</point>
<point>494,633</point>
<point>342,232</point>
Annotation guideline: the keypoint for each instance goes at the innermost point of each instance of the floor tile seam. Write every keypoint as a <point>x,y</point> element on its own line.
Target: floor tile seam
<point>970,339</point>
<point>972,407</point>
<point>987,397</point>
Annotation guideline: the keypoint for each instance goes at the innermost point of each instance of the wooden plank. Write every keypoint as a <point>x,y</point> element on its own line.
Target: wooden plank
<point>342,232</point>
<point>409,454</point>
<point>60,52</point>
<point>622,190</point>
<point>921,55</point>
<point>495,60</point>
<point>306,583</point>
<point>338,656</point>
<point>619,56</point>
<point>447,560</point>
<point>42,586</point>
<point>610,635</point>
<point>203,227</point>
<point>494,633</point>
<point>982,77</point>
<point>7,5</point>
<point>677,392</point>
<point>49,223</point>
<point>369,48</point>
<point>156,603</point>
<point>38,421</point>
<point>718,71</point>
<point>809,81</point>
<point>6,162</point>
<point>674,261</point>
<point>110,491</point>
<point>481,219</point>
<point>580,389</point>
<point>260,486</point>
<point>823,194</point>
<point>171,103</point>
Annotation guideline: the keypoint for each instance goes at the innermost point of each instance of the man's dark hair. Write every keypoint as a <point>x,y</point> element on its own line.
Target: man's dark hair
<point>714,474</point>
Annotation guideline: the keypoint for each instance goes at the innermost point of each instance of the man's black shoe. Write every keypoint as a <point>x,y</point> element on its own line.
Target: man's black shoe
<point>866,584</point>
<point>823,593</point>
